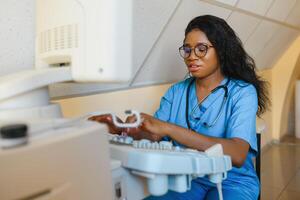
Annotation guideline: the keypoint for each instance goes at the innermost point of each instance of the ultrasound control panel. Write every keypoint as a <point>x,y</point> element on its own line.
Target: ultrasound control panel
<point>166,166</point>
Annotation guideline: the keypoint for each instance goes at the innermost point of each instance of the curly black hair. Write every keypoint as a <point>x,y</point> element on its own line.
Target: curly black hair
<point>234,60</point>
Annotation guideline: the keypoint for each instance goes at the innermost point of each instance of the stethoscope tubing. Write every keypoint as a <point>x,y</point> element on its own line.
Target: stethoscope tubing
<point>224,87</point>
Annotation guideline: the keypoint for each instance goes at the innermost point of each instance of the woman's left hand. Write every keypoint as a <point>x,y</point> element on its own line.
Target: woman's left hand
<point>152,125</point>
<point>150,128</point>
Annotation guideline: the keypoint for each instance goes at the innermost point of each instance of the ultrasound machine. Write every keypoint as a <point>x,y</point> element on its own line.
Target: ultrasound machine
<point>45,156</point>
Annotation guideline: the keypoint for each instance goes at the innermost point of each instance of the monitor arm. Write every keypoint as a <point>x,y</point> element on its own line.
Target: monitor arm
<point>25,94</point>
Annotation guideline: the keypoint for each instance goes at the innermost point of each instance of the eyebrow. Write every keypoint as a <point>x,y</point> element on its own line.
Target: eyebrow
<point>199,43</point>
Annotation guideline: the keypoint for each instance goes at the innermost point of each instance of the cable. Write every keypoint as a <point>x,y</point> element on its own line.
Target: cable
<point>219,188</point>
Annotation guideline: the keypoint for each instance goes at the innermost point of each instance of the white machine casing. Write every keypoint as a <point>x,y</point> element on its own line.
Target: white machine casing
<point>70,163</point>
<point>94,37</point>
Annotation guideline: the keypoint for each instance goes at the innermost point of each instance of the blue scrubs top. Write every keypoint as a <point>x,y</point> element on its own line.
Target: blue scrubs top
<point>237,120</point>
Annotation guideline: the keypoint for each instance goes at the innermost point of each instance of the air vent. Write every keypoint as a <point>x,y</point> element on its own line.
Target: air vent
<point>58,38</point>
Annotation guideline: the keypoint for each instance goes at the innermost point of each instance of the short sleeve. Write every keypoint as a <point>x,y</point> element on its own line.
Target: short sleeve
<point>164,111</point>
<point>242,122</point>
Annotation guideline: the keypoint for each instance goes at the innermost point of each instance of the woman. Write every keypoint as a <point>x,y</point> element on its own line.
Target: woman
<point>217,104</point>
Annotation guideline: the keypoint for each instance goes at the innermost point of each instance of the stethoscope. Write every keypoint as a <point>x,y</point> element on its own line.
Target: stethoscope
<point>224,87</point>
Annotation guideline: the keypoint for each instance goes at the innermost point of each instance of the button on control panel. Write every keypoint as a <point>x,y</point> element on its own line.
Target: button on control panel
<point>145,144</point>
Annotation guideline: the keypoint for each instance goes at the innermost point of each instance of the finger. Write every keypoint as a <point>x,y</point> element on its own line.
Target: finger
<point>91,118</point>
<point>103,118</point>
<point>156,137</point>
<point>133,132</point>
<point>130,119</point>
<point>96,116</point>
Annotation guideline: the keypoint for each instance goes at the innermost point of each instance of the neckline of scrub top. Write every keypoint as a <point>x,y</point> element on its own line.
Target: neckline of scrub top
<point>211,98</point>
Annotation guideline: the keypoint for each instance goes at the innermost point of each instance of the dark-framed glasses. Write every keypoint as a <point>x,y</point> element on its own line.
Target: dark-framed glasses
<point>200,50</point>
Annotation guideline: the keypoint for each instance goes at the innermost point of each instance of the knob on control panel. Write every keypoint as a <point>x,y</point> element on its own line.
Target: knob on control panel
<point>13,135</point>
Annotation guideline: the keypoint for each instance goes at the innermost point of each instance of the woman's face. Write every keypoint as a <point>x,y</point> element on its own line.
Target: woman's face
<point>198,66</point>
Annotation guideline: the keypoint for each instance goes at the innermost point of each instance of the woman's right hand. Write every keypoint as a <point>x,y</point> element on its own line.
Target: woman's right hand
<point>107,119</point>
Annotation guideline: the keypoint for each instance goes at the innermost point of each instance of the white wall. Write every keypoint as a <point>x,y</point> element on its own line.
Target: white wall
<point>17,25</point>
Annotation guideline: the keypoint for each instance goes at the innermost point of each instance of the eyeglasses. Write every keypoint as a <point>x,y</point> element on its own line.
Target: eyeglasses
<point>200,50</point>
